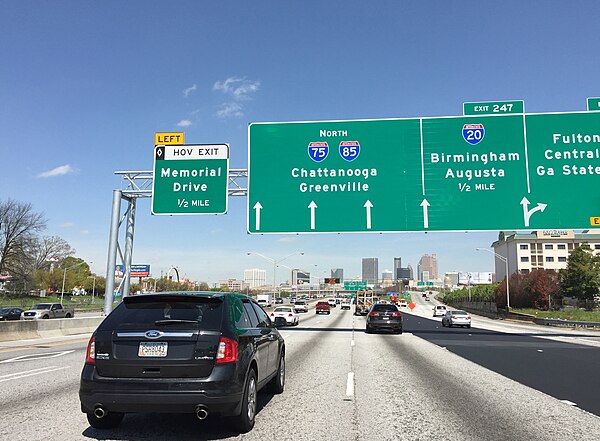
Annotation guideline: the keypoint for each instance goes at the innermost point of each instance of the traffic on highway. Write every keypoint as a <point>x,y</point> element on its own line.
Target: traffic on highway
<point>372,385</point>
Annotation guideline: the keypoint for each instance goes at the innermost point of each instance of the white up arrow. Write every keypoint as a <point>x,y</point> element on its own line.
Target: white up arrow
<point>527,213</point>
<point>368,205</point>
<point>257,207</point>
<point>312,207</point>
<point>425,204</point>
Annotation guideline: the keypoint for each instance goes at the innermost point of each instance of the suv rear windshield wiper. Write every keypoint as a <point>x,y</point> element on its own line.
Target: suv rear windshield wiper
<point>174,322</point>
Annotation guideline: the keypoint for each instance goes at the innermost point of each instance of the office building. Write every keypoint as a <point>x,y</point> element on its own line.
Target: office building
<point>233,285</point>
<point>255,277</point>
<point>387,278</point>
<point>397,268</point>
<point>451,279</point>
<point>406,274</point>
<point>370,270</point>
<point>429,264</point>
<point>338,273</point>
<point>300,277</point>
<point>543,249</point>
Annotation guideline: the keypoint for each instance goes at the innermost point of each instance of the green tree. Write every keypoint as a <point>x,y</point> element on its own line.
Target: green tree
<point>581,277</point>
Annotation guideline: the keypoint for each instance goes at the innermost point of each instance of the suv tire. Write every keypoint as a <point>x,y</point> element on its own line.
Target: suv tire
<point>244,422</point>
<point>277,384</point>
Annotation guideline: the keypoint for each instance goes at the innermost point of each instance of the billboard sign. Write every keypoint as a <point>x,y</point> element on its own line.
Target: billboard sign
<point>136,271</point>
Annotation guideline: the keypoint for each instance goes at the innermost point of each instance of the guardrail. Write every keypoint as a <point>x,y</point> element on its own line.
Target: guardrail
<point>26,329</point>
<point>568,323</point>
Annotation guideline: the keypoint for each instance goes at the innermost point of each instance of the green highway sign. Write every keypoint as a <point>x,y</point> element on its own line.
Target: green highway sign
<point>593,103</point>
<point>493,107</point>
<point>465,173</point>
<point>190,179</point>
<point>355,285</point>
<point>420,283</point>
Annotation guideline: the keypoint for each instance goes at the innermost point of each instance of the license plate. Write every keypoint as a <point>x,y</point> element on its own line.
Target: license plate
<point>153,349</point>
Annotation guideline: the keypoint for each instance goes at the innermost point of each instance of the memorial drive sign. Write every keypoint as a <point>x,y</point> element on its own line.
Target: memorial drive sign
<point>466,173</point>
<point>190,179</point>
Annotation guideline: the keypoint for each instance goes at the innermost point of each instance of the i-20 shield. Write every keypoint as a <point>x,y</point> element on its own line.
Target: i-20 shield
<point>473,133</point>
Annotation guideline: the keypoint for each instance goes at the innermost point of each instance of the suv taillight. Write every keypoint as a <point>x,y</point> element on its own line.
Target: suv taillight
<point>396,314</point>
<point>227,351</point>
<point>373,314</point>
<point>90,355</point>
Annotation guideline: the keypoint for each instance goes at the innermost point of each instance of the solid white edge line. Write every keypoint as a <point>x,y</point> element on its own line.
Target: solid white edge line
<point>350,385</point>
<point>570,403</point>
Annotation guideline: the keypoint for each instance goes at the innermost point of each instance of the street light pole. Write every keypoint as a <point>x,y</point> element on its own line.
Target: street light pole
<point>505,260</point>
<point>275,262</point>
<point>93,287</point>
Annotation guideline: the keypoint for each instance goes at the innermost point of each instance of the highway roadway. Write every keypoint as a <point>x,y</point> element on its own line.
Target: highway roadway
<point>429,383</point>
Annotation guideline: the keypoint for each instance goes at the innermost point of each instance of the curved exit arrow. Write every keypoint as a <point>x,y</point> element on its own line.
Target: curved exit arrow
<point>527,213</point>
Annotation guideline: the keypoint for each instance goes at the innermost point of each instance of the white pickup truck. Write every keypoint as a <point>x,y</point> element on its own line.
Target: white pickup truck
<point>47,311</point>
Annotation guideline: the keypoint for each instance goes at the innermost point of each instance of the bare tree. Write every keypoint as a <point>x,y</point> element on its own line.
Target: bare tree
<point>48,247</point>
<point>19,225</point>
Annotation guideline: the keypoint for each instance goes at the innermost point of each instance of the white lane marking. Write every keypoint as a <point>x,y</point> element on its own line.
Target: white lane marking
<point>37,357</point>
<point>539,350</point>
<point>350,385</point>
<point>570,403</point>
<point>351,342</point>
<point>30,373</point>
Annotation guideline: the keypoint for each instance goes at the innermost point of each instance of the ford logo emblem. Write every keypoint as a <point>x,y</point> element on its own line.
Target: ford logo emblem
<point>153,334</point>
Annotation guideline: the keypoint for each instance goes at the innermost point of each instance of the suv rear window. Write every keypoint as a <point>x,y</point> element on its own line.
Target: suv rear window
<point>158,312</point>
<point>385,308</point>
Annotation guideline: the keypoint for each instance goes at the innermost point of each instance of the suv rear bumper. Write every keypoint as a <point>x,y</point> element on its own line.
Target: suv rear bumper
<point>176,395</point>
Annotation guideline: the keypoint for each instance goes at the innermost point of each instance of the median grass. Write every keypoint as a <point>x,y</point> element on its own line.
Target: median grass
<point>580,315</point>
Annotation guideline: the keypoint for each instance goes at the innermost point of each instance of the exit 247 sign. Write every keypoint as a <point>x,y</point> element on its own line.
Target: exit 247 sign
<point>468,173</point>
<point>190,179</point>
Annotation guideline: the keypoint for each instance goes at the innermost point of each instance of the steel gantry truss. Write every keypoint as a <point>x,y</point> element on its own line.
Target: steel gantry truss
<point>138,184</point>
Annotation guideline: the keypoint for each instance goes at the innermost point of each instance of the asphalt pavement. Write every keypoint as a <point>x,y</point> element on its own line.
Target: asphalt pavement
<point>342,384</point>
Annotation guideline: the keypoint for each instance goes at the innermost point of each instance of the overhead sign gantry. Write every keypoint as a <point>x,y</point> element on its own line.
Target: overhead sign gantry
<point>495,168</point>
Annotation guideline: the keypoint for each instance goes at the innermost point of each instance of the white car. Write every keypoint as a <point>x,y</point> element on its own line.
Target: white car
<point>288,313</point>
<point>301,306</point>
<point>346,304</point>
<point>456,318</point>
<point>403,304</point>
<point>439,310</point>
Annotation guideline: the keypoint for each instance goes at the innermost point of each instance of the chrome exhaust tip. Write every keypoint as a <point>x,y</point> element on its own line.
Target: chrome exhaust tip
<point>201,412</point>
<point>99,412</point>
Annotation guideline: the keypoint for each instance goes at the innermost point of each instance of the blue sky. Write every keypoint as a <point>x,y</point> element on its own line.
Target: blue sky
<point>84,86</point>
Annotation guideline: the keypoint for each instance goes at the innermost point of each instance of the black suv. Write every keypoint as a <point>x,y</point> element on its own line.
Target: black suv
<point>384,316</point>
<point>182,352</point>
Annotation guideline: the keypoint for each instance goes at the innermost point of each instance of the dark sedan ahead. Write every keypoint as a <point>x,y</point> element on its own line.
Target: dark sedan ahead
<point>10,313</point>
<point>384,316</point>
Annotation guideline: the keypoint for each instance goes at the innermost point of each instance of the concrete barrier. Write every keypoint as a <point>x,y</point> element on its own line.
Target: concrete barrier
<point>17,330</point>
<point>27,329</point>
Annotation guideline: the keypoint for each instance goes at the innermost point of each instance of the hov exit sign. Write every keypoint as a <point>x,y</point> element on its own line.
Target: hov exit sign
<point>190,179</point>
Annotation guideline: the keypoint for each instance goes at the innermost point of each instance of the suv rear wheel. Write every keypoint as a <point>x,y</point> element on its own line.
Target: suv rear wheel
<point>245,421</point>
